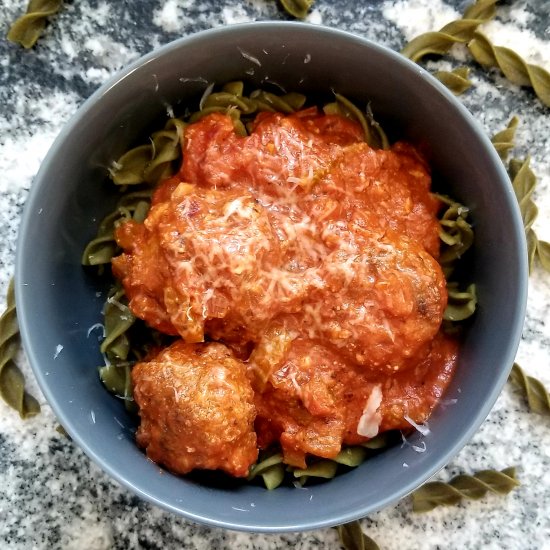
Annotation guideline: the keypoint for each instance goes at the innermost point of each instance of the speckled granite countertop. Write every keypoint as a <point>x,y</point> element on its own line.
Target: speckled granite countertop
<point>51,495</point>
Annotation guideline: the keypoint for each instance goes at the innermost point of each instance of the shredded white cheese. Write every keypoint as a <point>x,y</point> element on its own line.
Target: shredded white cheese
<point>419,449</point>
<point>117,304</point>
<point>95,327</point>
<point>250,57</point>
<point>58,350</point>
<point>422,428</point>
<point>369,423</point>
<point>447,402</point>
<point>205,95</point>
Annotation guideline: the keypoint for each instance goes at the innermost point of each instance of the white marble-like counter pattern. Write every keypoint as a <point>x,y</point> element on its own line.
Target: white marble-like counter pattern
<point>51,495</point>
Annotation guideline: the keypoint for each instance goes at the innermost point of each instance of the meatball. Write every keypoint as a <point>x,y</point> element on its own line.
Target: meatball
<point>196,409</point>
<point>281,152</point>
<point>200,256</point>
<point>301,404</point>
<point>314,401</point>
<point>385,301</point>
<point>394,185</point>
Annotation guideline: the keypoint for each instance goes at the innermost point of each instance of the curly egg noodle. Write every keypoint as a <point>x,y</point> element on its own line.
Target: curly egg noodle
<point>280,303</point>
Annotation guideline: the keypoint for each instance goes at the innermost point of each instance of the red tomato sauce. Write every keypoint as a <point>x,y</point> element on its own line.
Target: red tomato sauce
<point>313,258</point>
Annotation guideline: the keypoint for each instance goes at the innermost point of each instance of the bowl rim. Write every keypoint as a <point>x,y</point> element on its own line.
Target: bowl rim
<point>24,309</point>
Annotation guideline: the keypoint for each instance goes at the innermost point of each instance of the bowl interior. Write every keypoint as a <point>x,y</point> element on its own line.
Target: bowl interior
<point>58,301</point>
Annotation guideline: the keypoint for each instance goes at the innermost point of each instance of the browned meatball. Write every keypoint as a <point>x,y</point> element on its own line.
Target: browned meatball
<point>196,408</point>
<point>385,302</point>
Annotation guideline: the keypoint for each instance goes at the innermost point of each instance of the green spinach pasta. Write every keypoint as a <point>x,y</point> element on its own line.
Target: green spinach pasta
<point>534,391</point>
<point>524,183</point>
<point>145,172</point>
<point>352,537</point>
<point>28,28</point>
<point>460,31</point>
<point>503,141</point>
<point>514,68</point>
<point>12,381</point>
<point>457,80</point>
<point>438,493</point>
<point>297,8</point>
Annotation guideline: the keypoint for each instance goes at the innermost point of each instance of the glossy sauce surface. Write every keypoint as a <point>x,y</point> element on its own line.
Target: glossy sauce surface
<point>313,258</point>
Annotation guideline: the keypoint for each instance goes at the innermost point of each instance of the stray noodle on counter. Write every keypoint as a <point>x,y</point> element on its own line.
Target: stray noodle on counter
<point>280,304</point>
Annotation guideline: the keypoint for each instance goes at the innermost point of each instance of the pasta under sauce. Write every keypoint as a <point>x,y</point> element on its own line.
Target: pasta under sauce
<point>312,259</point>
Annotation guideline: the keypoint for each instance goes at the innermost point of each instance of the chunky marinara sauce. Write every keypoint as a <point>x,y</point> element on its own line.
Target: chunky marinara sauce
<point>309,261</point>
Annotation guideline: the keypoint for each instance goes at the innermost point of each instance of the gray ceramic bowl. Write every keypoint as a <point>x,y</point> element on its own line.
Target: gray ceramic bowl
<point>57,301</point>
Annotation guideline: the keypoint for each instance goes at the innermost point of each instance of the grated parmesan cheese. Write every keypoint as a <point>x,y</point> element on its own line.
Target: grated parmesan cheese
<point>369,423</point>
<point>205,95</point>
<point>250,57</point>
<point>422,428</point>
<point>95,327</point>
<point>418,448</point>
<point>58,350</point>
